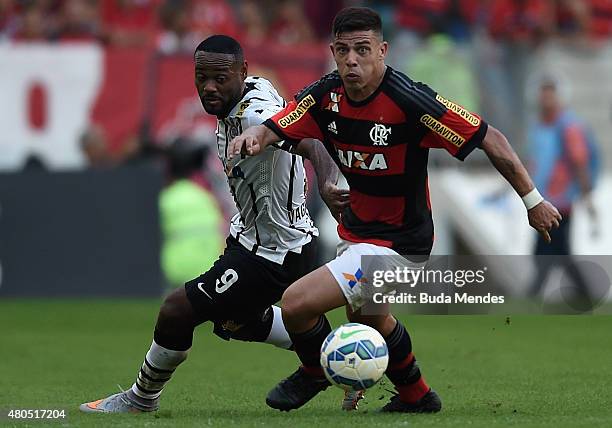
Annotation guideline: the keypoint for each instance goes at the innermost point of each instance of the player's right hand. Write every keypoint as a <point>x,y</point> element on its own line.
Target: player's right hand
<point>243,144</point>
<point>543,217</point>
<point>335,198</point>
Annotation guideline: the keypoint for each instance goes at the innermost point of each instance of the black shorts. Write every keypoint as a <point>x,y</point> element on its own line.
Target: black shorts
<point>241,286</point>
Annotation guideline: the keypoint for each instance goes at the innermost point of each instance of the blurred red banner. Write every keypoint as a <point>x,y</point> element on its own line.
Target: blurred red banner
<point>141,88</point>
<point>51,94</point>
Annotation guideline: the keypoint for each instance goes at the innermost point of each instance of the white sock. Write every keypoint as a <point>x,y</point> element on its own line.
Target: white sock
<point>278,333</point>
<point>156,370</point>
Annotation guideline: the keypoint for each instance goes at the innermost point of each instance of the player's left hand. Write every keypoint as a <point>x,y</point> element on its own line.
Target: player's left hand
<point>243,144</point>
<point>543,217</point>
<point>335,198</point>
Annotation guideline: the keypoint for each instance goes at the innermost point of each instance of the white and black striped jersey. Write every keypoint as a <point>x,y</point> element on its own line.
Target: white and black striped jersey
<point>269,189</point>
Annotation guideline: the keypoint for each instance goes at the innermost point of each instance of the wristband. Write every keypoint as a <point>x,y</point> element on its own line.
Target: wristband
<point>532,199</point>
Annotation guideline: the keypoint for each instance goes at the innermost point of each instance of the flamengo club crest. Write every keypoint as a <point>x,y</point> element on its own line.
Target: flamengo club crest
<point>379,134</point>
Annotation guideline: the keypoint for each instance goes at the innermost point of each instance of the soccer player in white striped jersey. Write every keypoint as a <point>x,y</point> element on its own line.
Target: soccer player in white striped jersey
<point>271,242</point>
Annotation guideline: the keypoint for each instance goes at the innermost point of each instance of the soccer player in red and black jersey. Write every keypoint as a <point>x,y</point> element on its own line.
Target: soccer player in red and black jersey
<point>379,126</point>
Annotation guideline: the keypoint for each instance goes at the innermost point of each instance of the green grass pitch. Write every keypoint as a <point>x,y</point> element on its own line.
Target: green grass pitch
<point>540,371</point>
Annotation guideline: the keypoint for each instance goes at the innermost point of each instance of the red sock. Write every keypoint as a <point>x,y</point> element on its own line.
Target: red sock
<point>412,392</point>
<point>402,364</point>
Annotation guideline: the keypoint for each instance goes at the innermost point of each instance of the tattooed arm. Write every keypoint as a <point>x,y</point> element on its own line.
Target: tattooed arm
<point>505,160</point>
<point>543,216</point>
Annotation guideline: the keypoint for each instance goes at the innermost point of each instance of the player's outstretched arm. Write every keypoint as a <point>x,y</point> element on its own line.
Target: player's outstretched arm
<point>252,141</point>
<point>543,216</point>
<point>328,173</point>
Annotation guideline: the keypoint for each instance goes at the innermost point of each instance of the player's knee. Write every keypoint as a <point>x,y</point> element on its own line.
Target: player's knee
<point>176,310</point>
<point>175,322</point>
<point>297,305</point>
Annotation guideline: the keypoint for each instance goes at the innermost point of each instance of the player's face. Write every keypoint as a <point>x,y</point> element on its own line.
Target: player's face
<point>360,58</point>
<point>549,99</point>
<point>219,80</point>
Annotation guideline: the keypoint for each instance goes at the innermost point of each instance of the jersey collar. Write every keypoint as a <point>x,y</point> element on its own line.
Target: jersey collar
<point>372,95</point>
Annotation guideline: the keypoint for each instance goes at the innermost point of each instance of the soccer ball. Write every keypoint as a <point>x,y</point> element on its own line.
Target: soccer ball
<point>354,357</point>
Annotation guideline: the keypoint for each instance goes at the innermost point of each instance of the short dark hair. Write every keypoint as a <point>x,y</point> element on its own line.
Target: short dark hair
<point>220,43</point>
<point>356,19</point>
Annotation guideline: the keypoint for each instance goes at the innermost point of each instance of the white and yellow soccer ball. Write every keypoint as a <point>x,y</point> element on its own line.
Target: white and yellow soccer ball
<point>354,356</point>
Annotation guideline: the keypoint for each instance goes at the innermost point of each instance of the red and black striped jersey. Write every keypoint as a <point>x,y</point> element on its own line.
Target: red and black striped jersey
<point>381,145</point>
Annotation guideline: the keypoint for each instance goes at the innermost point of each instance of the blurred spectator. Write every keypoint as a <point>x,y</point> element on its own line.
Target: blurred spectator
<point>8,18</point>
<point>190,218</point>
<point>422,17</point>
<point>79,20</point>
<point>517,29</point>
<point>7,9</point>
<point>462,16</point>
<point>563,169</point>
<point>417,20</point>
<point>425,17</point>
<point>34,163</point>
<point>254,28</point>
<point>36,23</point>
<point>213,17</point>
<point>572,18</point>
<point>130,22</point>
<point>442,65</point>
<point>95,148</point>
<point>186,22</point>
<point>601,18</point>
<point>290,26</point>
<point>177,35</point>
<point>561,146</point>
<point>140,148</point>
<point>387,9</point>
<point>521,21</point>
<point>321,16</point>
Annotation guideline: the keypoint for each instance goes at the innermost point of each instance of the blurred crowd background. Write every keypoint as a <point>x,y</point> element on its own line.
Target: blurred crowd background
<point>173,25</point>
<point>478,52</point>
<point>104,84</point>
